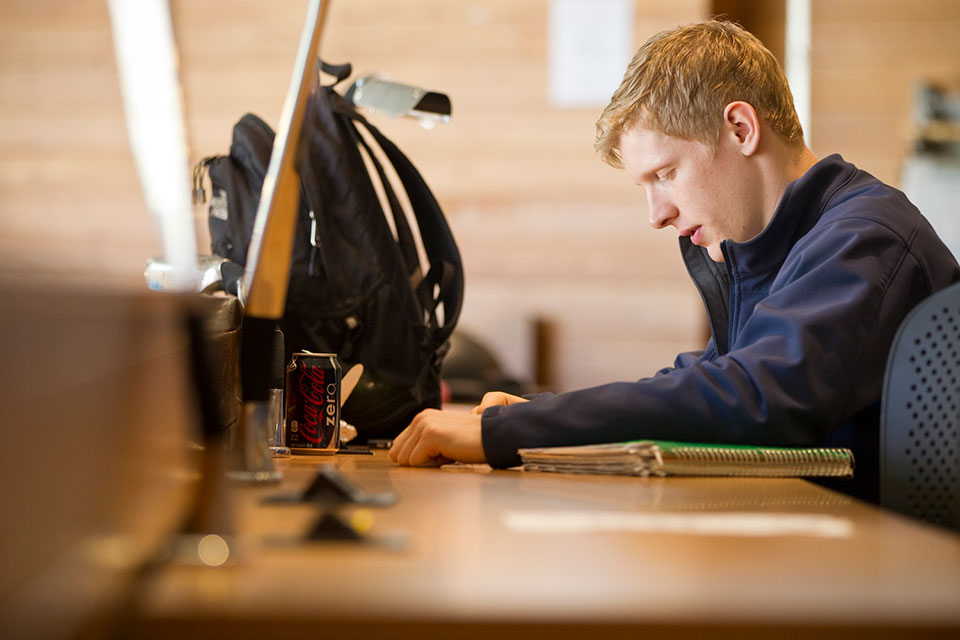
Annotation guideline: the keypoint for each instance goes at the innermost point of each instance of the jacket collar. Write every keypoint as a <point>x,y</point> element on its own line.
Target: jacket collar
<point>803,202</point>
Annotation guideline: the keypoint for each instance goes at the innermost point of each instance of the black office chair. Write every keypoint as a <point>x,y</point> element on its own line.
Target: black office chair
<point>920,415</point>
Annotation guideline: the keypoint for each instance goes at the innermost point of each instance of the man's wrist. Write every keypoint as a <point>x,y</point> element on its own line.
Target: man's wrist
<point>495,436</point>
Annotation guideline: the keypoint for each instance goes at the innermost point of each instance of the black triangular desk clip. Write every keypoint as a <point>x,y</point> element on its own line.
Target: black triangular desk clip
<point>329,489</point>
<point>330,527</point>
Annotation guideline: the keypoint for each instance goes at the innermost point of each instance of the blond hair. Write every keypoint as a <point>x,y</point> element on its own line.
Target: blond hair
<point>679,82</point>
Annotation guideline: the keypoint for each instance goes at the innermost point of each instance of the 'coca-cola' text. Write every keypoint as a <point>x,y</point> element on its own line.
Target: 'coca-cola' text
<point>319,404</point>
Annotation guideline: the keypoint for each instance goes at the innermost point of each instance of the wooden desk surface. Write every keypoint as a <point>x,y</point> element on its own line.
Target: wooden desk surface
<point>459,568</point>
<point>96,413</point>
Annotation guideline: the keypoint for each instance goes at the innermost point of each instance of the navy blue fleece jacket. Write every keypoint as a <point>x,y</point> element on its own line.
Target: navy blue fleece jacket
<point>801,318</point>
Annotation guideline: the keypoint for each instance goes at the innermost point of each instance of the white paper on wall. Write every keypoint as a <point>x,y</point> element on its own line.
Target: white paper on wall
<point>591,42</point>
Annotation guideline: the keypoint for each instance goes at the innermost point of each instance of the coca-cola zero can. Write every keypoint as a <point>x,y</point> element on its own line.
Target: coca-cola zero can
<point>312,390</point>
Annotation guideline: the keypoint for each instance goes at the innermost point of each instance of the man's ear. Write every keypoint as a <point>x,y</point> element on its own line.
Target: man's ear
<point>741,125</point>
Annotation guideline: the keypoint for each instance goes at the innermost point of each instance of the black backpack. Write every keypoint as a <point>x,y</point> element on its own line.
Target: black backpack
<point>356,285</point>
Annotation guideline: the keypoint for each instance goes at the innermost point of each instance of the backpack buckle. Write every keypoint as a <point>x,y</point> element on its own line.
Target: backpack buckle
<point>314,245</point>
<point>313,231</point>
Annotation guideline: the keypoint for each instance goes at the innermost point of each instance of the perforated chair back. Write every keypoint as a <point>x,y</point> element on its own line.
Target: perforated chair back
<point>920,415</point>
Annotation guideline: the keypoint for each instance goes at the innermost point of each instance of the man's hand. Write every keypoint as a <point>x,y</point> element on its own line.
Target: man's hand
<point>496,399</point>
<point>437,437</point>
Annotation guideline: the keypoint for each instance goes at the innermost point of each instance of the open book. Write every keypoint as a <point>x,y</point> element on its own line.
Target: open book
<point>664,458</point>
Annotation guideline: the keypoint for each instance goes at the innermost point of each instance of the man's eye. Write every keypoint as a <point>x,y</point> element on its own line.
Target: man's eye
<point>666,175</point>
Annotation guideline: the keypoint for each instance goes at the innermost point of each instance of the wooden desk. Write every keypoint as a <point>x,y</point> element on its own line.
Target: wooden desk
<point>96,415</point>
<point>462,572</point>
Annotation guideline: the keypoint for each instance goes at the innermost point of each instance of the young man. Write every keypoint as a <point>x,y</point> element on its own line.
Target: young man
<point>806,269</point>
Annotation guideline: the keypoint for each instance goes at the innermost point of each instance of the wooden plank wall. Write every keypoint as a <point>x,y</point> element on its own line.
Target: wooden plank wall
<point>546,230</point>
<point>866,59</point>
<point>69,201</point>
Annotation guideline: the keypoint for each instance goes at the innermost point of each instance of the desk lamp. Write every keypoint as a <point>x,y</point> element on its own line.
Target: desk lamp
<point>263,288</point>
<point>395,99</point>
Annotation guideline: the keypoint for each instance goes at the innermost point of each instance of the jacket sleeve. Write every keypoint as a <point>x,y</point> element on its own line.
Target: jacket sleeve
<point>811,354</point>
<point>690,358</point>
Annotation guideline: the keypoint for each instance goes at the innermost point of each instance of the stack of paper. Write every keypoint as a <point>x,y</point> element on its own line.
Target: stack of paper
<point>663,458</point>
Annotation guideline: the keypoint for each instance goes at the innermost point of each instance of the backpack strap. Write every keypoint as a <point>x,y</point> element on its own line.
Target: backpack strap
<point>446,269</point>
<point>339,71</point>
<point>408,247</point>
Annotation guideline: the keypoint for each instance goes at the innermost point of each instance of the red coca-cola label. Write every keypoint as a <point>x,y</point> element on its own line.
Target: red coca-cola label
<point>313,401</point>
<point>312,392</point>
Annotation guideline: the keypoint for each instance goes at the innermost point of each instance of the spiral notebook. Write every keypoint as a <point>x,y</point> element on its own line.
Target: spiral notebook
<point>665,458</point>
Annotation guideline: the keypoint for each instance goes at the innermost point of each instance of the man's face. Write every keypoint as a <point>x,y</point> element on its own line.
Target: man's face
<point>707,194</point>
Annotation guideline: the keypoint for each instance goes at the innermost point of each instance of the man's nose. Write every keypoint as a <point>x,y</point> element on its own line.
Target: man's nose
<point>662,213</point>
